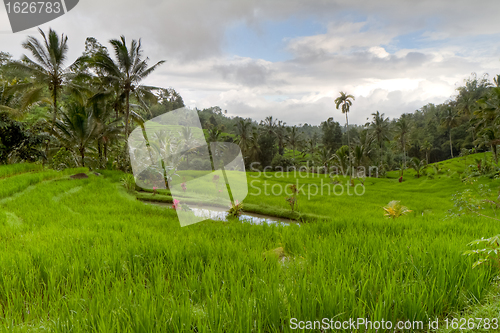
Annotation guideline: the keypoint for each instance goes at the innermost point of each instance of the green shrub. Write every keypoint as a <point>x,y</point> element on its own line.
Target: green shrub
<point>282,163</point>
<point>128,181</point>
<point>63,159</point>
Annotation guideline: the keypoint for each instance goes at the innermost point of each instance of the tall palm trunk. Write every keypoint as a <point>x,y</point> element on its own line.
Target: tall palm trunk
<point>404,152</point>
<point>99,151</point>
<point>349,147</point>
<point>451,146</point>
<point>82,154</point>
<point>127,111</point>
<point>54,116</point>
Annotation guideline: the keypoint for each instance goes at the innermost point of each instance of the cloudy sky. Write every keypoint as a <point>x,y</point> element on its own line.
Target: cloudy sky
<point>290,58</point>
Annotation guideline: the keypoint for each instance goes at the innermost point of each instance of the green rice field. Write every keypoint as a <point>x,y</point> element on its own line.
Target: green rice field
<point>86,256</point>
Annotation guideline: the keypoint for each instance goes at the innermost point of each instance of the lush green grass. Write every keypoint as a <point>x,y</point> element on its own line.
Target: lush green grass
<point>14,169</point>
<point>12,185</point>
<point>84,255</point>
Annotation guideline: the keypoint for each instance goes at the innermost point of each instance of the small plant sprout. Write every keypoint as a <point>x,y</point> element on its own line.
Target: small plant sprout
<point>235,209</point>
<point>292,199</point>
<point>128,181</point>
<point>489,252</point>
<point>395,209</point>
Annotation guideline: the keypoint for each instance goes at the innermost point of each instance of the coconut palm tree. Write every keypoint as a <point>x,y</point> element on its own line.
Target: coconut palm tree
<point>490,137</point>
<point>417,165</point>
<point>294,138</point>
<point>323,157</point>
<point>108,128</point>
<point>281,135</point>
<point>345,101</point>
<point>449,121</point>
<point>47,69</point>
<point>426,146</point>
<point>127,73</point>
<point>359,155</point>
<point>244,130</point>
<point>380,128</point>
<point>253,148</point>
<point>187,136</point>
<point>403,127</point>
<point>77,129</point>
<point>342,159</point>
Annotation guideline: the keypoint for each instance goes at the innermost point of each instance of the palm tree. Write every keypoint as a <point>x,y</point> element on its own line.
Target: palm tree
<point>466,104</point>
<point>187,135</point>
<point>127,73</point>
<point>342,159</point>
<point>77,129</point>
<point>323,157</point>
<point>418,165</point>
<point>403,128</point>
<point>47,69</point>
<point>426,146</point>
<point>359,157</point>
<point>380,128</point>
<point>214,134</point>
<point>311,145</point>
<point>244,133</point>
<point>294,138</point>
<point>490,137</point>
<point>449,121</point>
<point>253,147</point>
<point>281,135</point>
<point>107,129</point>
<point>345,101</point>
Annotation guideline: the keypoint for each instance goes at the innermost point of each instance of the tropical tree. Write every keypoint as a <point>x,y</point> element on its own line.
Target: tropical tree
<point>342,159</point>
<point>323,157</point>
<point>294,139</point>
<point>359,157</point>
<point>403,127</point>
<point>281,135</point>
<point>310,146</point>
<point>345,102</point>
<point>449,121</point>
<point>187,137</point>
<point>108,129</point>
<point>417,165</point>
<point>490,136</point>
<point>426,147</point>
<point>77,129</point>
<point>380,128</point>
<point>127,73</point>
<point>244,130</point>
<point>46,69</point>
<point>332,134</point>
<point>254,149</point>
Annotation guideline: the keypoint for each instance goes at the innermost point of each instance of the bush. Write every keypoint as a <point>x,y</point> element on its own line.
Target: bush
<point>63,159</point>
<point>282,163</point>
<point>128,181</point>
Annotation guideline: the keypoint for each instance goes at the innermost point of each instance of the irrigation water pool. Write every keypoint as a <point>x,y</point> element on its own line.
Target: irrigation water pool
<point>219,214</point>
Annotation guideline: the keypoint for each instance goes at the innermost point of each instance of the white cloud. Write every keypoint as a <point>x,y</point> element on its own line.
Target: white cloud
<point>359,55</point>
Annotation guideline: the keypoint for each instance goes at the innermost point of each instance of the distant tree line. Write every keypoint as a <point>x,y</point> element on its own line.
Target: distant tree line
<point>80,114</point>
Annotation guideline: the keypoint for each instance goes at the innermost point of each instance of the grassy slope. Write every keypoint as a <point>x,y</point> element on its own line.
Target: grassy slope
<point>84,255</point>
